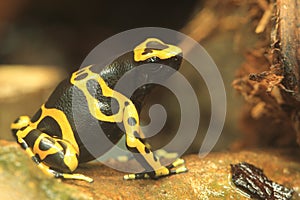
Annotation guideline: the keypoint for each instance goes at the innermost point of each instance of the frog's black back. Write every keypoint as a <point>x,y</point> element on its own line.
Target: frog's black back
<point>71,100</point>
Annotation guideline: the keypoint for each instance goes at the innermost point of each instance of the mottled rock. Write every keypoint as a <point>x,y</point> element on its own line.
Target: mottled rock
<point>21,179</point>
<point>208,177</point>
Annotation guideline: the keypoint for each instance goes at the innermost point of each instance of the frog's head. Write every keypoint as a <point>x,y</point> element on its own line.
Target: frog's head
<point>153,54</point>
<point>154,50</point>
<point>158,60</point>
<point>153,61</point>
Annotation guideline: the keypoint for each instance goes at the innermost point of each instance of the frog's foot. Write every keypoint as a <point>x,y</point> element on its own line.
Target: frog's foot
<point>71,176</point>
<point>176,167</point>
<point>48,171</point>
<point>178,162</point>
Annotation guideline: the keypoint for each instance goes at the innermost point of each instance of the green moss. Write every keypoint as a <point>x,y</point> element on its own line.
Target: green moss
<point>19,174</point>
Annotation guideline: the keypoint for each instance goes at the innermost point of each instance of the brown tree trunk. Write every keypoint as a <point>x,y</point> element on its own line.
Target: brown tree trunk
<point>269,80</point>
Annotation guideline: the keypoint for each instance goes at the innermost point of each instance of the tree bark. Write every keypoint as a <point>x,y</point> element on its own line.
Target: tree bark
<point>269,80</point>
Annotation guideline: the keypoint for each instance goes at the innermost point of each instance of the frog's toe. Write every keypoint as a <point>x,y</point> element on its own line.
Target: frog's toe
<point>176,163</point>
<point>136,176</point>
<point>181,169</point>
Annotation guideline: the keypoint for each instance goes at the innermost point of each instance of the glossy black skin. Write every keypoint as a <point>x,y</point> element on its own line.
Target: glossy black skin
<point>66,94</point>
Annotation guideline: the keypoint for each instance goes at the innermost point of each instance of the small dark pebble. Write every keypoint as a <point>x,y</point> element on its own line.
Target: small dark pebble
<point>252,181</point>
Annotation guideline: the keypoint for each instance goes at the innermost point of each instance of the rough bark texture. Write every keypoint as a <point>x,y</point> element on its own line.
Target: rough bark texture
<point>269,80</point>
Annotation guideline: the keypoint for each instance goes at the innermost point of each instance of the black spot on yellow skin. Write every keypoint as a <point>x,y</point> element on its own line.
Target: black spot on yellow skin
<point>46,143</point>
<point>147,150</point>
<point>81,76</point>
<point>126,103</point>
<point>23,128</point>
<point>131,121</point>
<point>147,50</point>
<point>153,45</point>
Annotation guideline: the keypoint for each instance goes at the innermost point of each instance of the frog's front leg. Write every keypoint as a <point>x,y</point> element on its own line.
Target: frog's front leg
<point>55,157</point>
<point>142,151</point>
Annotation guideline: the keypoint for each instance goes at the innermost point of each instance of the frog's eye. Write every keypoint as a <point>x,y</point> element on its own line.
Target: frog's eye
<point>153,50</point>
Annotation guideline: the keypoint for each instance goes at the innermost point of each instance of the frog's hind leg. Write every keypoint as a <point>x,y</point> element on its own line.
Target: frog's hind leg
<point>51,172</point>
<point>55,157</point>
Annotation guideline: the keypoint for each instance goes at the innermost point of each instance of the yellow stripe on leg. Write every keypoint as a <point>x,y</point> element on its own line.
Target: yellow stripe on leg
<point>46,170</point>
<point>29,152</point>
<point>78,177</point>
<point>181,169</point>
<point>129,176</point>
<point>178,162</point>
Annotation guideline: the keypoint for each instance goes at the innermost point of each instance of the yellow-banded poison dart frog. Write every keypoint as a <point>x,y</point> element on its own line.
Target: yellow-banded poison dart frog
<point>51,138</point>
